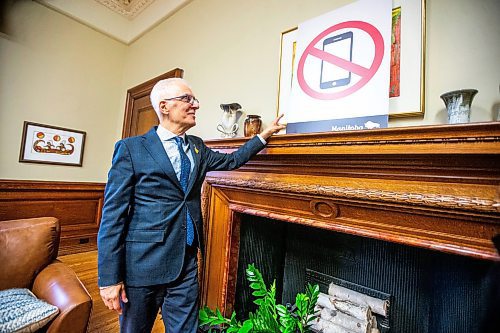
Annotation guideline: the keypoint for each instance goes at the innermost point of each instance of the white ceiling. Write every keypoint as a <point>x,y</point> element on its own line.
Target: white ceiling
<point>123,20</point>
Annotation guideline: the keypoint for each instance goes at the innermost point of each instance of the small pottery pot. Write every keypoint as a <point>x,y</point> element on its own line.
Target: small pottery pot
<point>458,104</point>
<point>253,125</point>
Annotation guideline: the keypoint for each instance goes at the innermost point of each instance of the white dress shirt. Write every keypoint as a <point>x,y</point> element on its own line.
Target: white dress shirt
<point>168,141</point>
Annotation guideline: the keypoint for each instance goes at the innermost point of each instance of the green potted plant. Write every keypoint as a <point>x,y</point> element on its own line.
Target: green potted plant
<point>269,317</point>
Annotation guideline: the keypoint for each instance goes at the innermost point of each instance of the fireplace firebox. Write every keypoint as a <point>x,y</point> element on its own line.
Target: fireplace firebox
<point>429,291</point>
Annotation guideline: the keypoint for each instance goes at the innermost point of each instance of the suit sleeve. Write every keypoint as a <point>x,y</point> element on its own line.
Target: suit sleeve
<point>219,161</point>
<point>117,198</point>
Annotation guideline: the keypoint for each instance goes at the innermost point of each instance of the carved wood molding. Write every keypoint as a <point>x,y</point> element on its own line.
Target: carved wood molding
<point>413,141</point>
<point>13,185</point>
<point>397,141</point>
<point>483,138</point>
<point>409,239</point>
<point>418,199</point>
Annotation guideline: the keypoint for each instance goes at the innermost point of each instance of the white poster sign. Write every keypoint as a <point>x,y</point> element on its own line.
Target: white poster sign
<point>343,60</point>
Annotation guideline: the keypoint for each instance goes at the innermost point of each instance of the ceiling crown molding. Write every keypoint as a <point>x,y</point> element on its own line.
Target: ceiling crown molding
<point>123,20</point>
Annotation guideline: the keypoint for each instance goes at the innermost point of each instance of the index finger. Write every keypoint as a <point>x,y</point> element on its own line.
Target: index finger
<point>277,120</point>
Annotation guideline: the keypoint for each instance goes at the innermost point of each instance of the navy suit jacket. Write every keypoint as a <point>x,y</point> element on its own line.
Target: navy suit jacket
<point>142,235</point>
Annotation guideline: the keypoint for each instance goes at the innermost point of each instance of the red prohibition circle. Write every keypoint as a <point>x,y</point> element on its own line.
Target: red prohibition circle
<point>365,73</point>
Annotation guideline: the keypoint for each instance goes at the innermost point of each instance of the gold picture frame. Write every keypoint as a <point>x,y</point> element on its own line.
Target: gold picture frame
<point>287,63</point>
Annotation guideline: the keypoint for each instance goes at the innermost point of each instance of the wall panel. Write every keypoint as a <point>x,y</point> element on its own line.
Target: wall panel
<point>77,206</point>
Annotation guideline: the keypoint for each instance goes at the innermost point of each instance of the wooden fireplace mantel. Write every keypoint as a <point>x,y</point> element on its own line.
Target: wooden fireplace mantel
<point>435,187</point>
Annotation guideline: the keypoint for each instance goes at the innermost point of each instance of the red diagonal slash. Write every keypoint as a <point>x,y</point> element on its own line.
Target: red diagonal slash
<point>365,73</point>
<point>340,62</point>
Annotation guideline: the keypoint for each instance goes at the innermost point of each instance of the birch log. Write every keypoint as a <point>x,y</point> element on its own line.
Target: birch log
<point>348,322</point>
<point>324,301</point>
<point>362,312</point>
<point>324,326</point>
<point>374,325</point>
<point>376,305</point>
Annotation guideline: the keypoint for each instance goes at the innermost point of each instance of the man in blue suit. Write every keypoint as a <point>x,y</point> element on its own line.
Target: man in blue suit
<point>151,224</point>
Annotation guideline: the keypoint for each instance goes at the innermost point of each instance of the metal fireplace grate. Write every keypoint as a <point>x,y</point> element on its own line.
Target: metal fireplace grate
<point>323,281</point>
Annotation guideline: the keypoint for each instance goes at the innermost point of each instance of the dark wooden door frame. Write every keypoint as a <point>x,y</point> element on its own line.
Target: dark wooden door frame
<point>143,89</point>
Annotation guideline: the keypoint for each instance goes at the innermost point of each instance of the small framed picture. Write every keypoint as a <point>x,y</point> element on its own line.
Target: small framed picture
<point>51,145</point>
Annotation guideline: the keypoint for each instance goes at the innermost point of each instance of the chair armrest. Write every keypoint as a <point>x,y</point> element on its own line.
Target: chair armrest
<point>59,285</point>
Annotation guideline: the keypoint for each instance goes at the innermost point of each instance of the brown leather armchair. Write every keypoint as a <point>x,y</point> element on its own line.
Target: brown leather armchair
<point>28,251</point>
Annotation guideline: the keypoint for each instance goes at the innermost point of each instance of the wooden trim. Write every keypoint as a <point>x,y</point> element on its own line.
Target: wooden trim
<point>434,187</point>
<point>77,206</point>
<point>474,138</point>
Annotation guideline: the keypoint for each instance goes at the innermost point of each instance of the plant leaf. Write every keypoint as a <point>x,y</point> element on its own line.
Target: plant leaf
<point>247,327</point>
<point>255,285</point>
<point>269,317</point>
<point>259,293</point>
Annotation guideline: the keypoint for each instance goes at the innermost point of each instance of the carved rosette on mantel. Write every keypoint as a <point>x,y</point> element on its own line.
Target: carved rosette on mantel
<point>434,187</point>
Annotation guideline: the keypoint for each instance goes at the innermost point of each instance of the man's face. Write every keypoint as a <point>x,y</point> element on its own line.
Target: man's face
<point>180,113</point>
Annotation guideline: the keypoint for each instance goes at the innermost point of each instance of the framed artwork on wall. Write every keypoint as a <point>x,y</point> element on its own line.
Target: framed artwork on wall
<point>407,81</point>
<point>51,145</point>
<point>407,88</point>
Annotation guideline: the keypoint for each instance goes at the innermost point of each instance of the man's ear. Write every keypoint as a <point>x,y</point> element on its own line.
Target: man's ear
<point>163,107</point>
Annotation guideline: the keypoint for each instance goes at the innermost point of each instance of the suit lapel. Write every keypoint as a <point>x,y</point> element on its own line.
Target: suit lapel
<point>154,146</point>
<point>196,157</point>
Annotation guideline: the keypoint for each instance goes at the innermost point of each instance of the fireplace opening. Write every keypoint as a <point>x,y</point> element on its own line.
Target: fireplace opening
<point>431,292</point>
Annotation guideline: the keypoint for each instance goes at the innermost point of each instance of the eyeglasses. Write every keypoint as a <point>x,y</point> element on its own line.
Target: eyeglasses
<point>184,98</point>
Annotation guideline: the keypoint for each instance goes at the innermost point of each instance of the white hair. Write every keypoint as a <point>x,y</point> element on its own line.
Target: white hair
<point>161,90</point>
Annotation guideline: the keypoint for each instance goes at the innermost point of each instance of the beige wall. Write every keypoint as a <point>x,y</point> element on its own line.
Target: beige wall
<point>229,50</point>
<point>56,71</point>
<point>462,52</point>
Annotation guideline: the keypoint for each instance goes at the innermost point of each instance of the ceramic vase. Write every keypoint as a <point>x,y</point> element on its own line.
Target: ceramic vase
<point>458,104</point>
<point>253,125</point>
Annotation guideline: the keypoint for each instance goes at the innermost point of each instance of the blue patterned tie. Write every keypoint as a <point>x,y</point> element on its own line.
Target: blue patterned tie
<point>185,170</point>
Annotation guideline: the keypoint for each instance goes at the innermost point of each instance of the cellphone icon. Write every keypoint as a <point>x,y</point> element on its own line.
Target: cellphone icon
<point>334,76</point>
